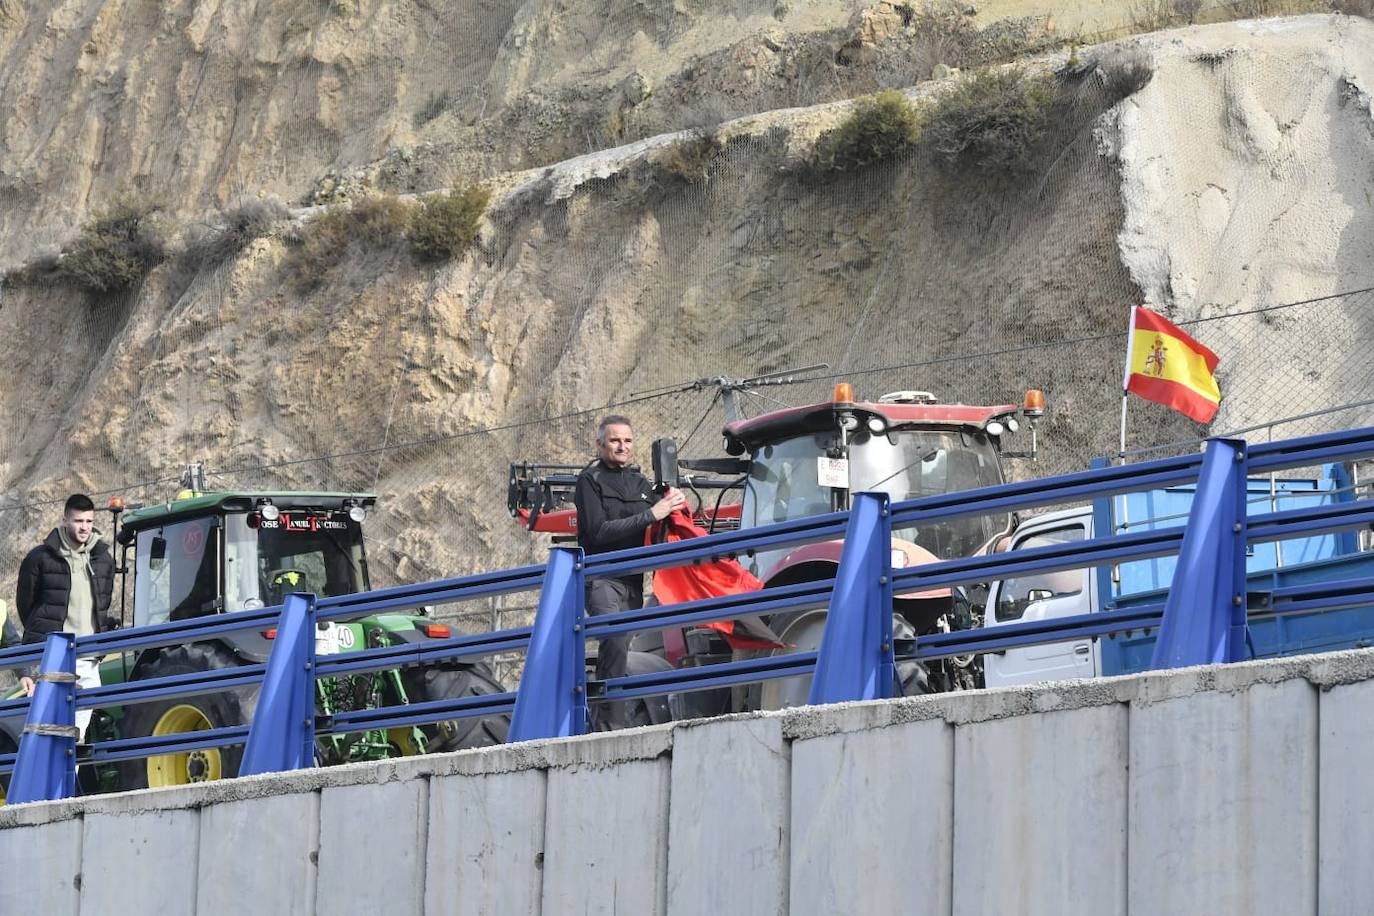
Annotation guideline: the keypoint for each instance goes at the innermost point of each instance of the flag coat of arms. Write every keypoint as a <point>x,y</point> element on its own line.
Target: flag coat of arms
<point>1166,366</point>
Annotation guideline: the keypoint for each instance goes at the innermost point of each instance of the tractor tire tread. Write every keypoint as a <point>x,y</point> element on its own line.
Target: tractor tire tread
<point>229,708</point>
<point>450,680</point>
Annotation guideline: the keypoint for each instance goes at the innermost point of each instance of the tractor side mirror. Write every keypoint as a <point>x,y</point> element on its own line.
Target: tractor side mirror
<point>666,472</point>
<point>1039,594</point>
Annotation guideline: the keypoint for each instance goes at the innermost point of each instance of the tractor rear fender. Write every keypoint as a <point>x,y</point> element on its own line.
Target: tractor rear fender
<point>254,647</point>
<point>797,566</point>
<point>820,561</point>
<point>11,728</point>
<point>250,646</point>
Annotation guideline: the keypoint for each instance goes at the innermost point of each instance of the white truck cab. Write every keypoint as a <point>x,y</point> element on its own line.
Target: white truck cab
<point>1044,596</point>
<point>1327,557</point>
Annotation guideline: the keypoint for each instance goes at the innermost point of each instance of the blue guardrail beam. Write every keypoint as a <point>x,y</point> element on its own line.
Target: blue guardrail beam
<point>1204,616</point>
<point>855,660</point>
<point>282,734</point>
<point>1203,620</point>
<point>45,769</point>
<point>552,699</point>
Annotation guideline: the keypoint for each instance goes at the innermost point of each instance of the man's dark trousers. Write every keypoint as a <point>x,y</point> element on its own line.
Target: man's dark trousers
<point>606,596</point>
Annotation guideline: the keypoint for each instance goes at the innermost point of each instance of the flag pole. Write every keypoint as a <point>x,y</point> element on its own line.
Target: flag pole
<point>1122,454</point>
<point>1125,380</point>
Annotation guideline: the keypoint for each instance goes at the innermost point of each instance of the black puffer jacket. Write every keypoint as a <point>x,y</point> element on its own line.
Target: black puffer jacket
<point>613,508</point>
<point>45,582</point>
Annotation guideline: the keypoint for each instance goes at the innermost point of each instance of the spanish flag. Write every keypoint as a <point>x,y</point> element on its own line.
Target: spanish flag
<point>1166,366</point>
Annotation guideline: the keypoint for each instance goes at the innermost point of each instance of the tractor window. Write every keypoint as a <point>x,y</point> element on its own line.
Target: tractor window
<point>241,590</point>
<point>176,571</point>
<point>1017,593</point>
<point>782,483</point>
<point>911,463</point>
<point>306,551</point>
<point>327,562</point>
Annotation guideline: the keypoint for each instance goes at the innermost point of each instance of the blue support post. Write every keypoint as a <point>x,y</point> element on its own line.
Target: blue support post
<point>1104,525</point>
<point>282,733</point>
<point>1347,542</point>
<point>855,660</point>
<point>1205,614</point>
<point>45,769</point>
<point>552,699</point>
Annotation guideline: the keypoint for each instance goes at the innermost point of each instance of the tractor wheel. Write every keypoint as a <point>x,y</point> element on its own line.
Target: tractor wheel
<point>7,746</point>
<point>646,710</point>
<point>803,634</point>
<point>451,680</point>
<point>186,714</point>
<point>913,678</point>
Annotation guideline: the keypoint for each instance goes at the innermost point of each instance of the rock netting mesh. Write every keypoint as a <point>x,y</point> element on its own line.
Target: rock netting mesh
<point>607,277</point>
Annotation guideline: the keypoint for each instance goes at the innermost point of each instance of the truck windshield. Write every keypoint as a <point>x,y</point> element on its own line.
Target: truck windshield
<point>905,464</point>
<point>320,552</point>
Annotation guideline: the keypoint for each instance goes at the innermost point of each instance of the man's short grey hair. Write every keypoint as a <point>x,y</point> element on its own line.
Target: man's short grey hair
<point>614,419</point>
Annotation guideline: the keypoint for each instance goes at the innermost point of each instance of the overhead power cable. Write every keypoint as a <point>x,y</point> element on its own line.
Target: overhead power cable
<point>1070,341</point>
<point>451,437</point>
<point>669,391</point>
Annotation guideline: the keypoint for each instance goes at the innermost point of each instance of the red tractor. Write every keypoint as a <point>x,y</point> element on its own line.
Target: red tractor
<point>805,461</point>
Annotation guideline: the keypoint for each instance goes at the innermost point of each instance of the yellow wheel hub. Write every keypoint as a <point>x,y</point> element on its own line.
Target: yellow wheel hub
<point>188,767</point>
<point>404,740</point>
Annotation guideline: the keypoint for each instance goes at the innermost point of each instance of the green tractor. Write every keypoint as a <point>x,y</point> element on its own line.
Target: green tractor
<point>219,553</point>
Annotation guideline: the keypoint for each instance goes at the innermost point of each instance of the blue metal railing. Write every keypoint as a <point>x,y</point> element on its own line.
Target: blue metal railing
<point>855,660</point>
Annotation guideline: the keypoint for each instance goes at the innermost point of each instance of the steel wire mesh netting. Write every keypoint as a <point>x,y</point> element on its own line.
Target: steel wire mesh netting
<point>904,275</point>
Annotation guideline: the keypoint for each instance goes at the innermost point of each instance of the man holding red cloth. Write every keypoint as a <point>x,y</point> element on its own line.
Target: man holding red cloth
<point>615,506</point>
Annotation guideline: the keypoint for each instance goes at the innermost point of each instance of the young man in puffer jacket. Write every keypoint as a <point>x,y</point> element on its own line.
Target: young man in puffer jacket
<point>65,585</point>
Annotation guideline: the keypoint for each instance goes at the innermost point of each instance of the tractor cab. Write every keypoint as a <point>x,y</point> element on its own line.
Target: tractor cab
<point>220,553</point>
<point>807,461</point>
<point>209,553</point>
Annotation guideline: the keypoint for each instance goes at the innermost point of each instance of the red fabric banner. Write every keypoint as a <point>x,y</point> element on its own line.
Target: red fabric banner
<point>710,579</point>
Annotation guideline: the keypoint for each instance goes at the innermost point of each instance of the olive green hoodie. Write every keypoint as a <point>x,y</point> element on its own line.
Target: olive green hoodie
<point>81,601</point>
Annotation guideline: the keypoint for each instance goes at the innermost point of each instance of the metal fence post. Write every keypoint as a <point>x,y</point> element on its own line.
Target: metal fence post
<point>1104,525</point>
<point>1205,614</point>
<point>552,699</point>
<point>855,660</point>
<point>45,768</point>
<point>282,733</point>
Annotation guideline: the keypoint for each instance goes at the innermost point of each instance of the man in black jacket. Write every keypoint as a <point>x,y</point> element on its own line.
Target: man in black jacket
<point>615,506</point>
<point>65,585</point>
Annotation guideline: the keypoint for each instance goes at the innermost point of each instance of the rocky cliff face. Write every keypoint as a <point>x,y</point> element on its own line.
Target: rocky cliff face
<point>201,101</point>
<point>1218,186</point>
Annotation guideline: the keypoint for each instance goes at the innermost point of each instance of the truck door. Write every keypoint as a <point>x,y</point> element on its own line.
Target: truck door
<point>1042,596</point>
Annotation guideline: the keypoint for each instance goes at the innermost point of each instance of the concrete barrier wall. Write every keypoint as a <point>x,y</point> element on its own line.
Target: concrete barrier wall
<point>1214,790</point>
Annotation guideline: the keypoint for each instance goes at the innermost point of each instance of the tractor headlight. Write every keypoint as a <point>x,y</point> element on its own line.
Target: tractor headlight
<point>269,511</point>
<point>357,513</point>
<point>1012,425</point>
<point>995,428</point>
<point>876,425</point>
